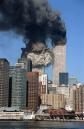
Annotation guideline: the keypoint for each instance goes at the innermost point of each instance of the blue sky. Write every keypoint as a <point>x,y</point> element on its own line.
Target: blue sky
<point>72,12</point>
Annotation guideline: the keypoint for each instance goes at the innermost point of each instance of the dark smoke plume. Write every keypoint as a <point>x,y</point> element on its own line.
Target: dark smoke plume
<point>33,19</point>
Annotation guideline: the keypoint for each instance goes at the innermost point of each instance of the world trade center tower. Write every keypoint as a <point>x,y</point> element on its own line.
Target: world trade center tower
<point>59,64</point>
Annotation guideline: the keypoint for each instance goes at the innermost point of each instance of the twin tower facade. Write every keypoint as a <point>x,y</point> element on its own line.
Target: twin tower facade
<point>59,64</point>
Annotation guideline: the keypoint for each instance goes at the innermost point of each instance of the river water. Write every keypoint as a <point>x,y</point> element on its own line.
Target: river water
<point>40,125</point>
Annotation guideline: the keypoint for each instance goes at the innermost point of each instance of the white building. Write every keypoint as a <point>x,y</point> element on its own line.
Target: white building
<point>44,80</point>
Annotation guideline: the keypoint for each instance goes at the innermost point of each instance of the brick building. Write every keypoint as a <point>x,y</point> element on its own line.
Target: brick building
<point>32,90</point>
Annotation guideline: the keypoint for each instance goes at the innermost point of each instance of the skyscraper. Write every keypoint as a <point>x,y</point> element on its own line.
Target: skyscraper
<point>27,64</point>
<point>4,82</point>
<point>18,86</point>
<point>63,79</point>
<point>43,81</point>
<point>32,90</point>
<point>59,65</point>
<point>78,98</point>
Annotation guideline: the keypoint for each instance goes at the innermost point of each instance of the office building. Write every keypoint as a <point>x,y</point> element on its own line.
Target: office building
<point>41,89</point>
<point>70,101</point>
<point>43,79</point>
<point>78,98</point>
<point>65,91</point>
<point>4,82</point>
<point>39,69</point>
<point>18,87</point>
<point>73,81</point>
<point>51,90</point>
<point>63,79</point>
<point>27,64</point>
<point>32,90</point>
<point>55,100</point>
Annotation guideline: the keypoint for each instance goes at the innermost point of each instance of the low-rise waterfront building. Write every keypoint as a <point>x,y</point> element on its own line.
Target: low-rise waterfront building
<point>11,115</point>
<point>56,100</point>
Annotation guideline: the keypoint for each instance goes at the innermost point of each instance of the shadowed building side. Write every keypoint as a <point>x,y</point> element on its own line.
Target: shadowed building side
<point>18,87</point>
<point>4,82</point>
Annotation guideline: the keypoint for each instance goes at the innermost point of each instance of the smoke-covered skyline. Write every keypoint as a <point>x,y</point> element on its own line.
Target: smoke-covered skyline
<point>33,19</point>
<point>72,14</point>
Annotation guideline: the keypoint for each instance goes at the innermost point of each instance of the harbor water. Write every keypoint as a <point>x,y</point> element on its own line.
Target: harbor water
<point>40,125</point>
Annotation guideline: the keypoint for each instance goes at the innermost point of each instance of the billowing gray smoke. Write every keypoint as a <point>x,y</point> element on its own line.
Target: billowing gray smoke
<point>33,19</point>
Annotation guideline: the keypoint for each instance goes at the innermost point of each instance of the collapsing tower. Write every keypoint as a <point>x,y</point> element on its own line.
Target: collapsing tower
<point>59,64</point>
